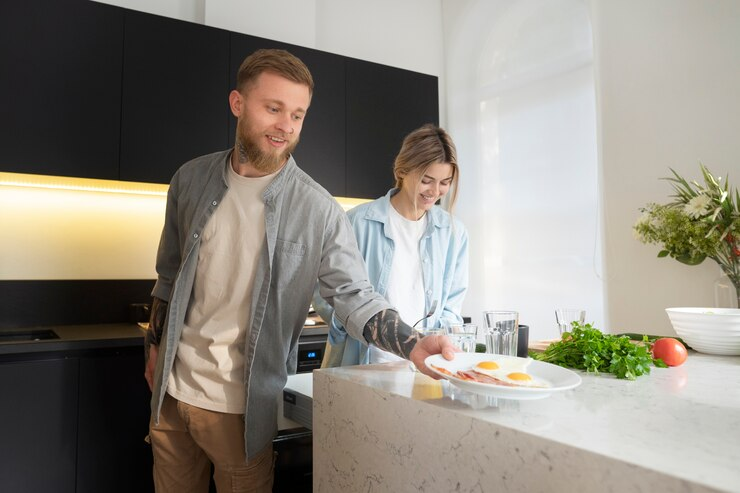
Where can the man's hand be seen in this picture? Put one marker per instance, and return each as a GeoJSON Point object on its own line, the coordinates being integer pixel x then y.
{"type": "Point", "coordinates": [150, 363]}
{"type": "Point", "coordinates": [153, 337]}
{"type": "Point", "coordinates": [428, 346]}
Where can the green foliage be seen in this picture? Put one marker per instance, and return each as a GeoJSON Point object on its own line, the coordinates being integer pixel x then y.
{"type": "Point", "coordinates": [587, 348]}
{"type": "Point", "coordinates": [702, 222]}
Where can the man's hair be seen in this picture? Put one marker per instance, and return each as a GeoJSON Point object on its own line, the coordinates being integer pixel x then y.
{"type": "Point", "coordinates": [423, 147]}
{"type": "Point", "coordinates": [279, 62]}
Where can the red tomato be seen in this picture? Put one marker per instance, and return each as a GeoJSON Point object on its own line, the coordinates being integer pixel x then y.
{"type": "Point", "coordinates": [671, 351]}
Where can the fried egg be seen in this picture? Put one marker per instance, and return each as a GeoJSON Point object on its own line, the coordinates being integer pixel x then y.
{"type": "Point", "coordinates": [510, 370]}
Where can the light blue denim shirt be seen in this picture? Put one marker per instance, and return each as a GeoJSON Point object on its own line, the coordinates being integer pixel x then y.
{"type": "Point", "coordinates": [307, 237]}
{"type": "Point", "coordinates": [444, 257]}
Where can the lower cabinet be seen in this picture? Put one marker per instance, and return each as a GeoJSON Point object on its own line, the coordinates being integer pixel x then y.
{"type": "Point", "coordinates": [74, 422]}
{"type": "Point", "coordinates": [112, 422]}
{"type": "Point", "coordinates": [38, 425]}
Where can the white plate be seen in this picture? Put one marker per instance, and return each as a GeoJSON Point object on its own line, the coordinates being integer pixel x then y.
{"type": "Point", "coordinates": [559, 378]}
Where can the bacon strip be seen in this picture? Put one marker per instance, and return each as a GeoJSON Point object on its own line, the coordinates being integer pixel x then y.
{"type": "Point", "coordinates": [481, 378]}
{"type": "Point", "coordinates": [474, 376]}
{"type": "Point", "coordinates": [443, 370]}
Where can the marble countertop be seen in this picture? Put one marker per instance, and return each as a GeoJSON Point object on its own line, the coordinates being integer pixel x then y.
{"type": "Point", "coordinates": [681, 423]}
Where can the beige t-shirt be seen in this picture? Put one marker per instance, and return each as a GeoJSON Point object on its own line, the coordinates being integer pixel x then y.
{"type": "Point", "coordinates": [209, 368]}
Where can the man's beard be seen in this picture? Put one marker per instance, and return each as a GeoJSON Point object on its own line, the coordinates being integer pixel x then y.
{"type": "Point", "coordinates": [249, 150]}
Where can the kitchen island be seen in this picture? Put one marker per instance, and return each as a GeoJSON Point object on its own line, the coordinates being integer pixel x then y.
{"type": "Point", "coordinates": [386, 428]}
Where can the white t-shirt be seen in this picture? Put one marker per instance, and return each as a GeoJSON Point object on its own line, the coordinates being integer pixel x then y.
{"type": "Point", "coordinates": [405, 282]}
{"type": "Point", "coordinates": [209, 368]}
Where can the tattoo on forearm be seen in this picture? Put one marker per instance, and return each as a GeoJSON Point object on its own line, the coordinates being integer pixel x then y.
{"type": "Point", "coordinates": [387, 331]}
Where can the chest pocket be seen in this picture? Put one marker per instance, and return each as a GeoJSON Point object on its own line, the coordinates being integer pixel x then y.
{"type": "Point", "coordinates": [288, 263]}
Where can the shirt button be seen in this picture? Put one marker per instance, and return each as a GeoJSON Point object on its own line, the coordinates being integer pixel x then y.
{"type": "Point", "coordinates": [214, 202]}
{"type": "Point", "coordinates": [195, 235]}
{"type": "Point", "coordinates": [429, 292]}
{"type": "Point", "coordinates": [426, 260]}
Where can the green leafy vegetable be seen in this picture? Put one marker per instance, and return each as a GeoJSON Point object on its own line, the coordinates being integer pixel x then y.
{"type": "Point", "coordinates": [587, 348]}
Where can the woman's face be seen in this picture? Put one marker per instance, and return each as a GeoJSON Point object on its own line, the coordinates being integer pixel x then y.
{"type": "Point", "coordinates": [423, 188]}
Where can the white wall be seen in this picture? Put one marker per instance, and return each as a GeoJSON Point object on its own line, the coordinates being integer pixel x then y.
{"type": "Point", "coordinates": [668, 73]}
{"type": "Point", "coordinates": [185, 10]}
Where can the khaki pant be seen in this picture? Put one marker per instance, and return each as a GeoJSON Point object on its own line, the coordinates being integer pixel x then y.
{"type": "Point", "coordinates": [189, 439]}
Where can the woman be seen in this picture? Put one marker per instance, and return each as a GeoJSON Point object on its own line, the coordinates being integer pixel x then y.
{"type": "Point", "coordinates": [416, 252]}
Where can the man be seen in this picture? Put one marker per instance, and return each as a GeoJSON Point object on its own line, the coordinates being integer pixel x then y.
{"type": "Point", "coordinates": [246, 235]}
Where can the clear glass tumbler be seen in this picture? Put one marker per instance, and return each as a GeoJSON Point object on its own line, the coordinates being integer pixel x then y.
{"type": "Point", "coordinates": [502, 329]}
{"type": "Point", "coordinates": [463, 336]}
{"type": "Point", "coordinates": [566, 316]}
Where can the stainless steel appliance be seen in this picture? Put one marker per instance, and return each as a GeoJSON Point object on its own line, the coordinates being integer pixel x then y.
{"type": "Point", "coordinates": [311, 345]}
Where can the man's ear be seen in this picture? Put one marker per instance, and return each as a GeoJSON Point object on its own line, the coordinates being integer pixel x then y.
{"type": "Point", "coordinates": [236, 102]}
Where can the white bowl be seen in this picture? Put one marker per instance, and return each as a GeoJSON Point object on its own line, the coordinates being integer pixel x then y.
{"type": "Point", "coordinates": [709, 349]}
{"type": "Point", "coordinates": [708, 330]}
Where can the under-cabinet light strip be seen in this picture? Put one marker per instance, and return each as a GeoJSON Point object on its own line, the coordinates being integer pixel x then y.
{"type": "Point", "coordinates": [23, 180]}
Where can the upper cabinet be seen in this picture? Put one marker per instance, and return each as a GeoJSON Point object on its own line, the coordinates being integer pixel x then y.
{"type": "Point", "coordinates": [93, 90]}
{"type": "Point", "coordinates": [174, 104]}
{"type": "Point", "coordinates": [60, 87]}
{"type": "Point", "coordinates": [384, 104]}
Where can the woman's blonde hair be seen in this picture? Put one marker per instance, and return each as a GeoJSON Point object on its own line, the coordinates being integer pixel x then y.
{"type": "Point", "coordinates": [423, 147]}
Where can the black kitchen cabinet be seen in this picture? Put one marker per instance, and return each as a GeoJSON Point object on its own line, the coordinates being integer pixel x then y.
{"type": "Point", "coordinates": [75, 421]}
{"type": "Point", "coordinates": [60, 88]}
{"type": "Point", "coordinates": [38, 425]}
{"type": "Point", "coordinates": [113, 420]}
{"type": "Point", "coordinates": [321, 151]}
{"type": "Point", "coordinates": [175, 95]}
{"type": "Point", "coordinates": [384, 104]}
{"type": "Point", "coordinates": [97, 91]}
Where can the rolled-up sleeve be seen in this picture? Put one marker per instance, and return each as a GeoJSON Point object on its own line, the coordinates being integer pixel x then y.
{"type": "Point", "coordinates": [343, 281]}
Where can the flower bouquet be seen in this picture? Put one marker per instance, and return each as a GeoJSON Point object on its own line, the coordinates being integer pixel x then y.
{"type": "Point", "coordinates": [702, 222]}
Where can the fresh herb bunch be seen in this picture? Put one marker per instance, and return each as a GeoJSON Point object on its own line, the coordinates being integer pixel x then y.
{"type": "Point", "coordinates": [587, 348]}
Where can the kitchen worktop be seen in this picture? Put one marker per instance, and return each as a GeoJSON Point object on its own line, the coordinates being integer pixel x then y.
{"type": "Point", "coordinates": [386, 428]}
{"type": "Point", "coordinates": [76, 337]}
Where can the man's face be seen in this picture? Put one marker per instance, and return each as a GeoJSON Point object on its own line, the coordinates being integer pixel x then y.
{"type": "Point", "coordinates": [270, 116]}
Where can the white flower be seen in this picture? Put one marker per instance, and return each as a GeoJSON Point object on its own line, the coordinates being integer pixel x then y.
{"type": "Point", "coordinates": [697, 207]}
{"type": "Point", "coordinates": [644, 218]}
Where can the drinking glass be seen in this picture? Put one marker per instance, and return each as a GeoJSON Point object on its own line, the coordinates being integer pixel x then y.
{"type": "Point", "coordinates": [431, 331]}
{"type": "Point", "coordinates": [566, 316]}
{"type": "Point", "coordinates": [463, 336]}
{"type": "Point", "coordinates": [502, 328]}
